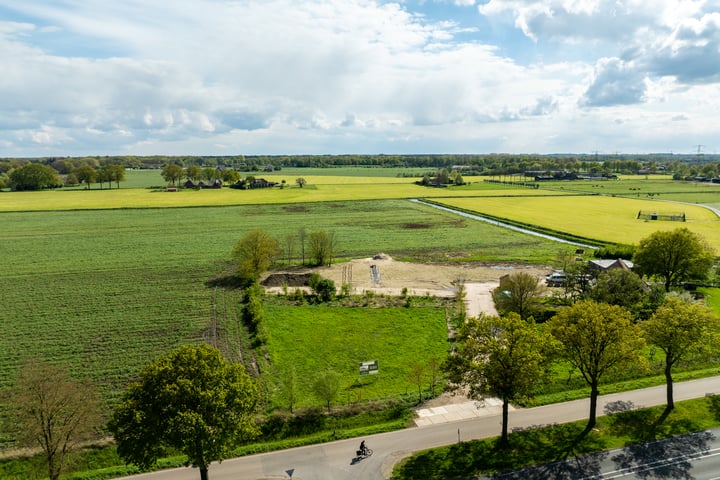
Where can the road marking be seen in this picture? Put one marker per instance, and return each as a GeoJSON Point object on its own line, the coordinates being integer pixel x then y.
{"type": "Point", "coordinates": [623, 472]}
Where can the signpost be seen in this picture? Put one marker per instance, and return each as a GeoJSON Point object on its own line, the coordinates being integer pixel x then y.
{"type": "Point", "coordinates": [369, 367]}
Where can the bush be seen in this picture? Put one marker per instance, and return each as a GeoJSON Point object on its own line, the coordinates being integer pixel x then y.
{"type": "Point", "coordinates": [325, 290]}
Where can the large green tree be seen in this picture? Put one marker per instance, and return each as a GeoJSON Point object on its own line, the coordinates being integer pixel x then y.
{"type": "Point", "coordinates": [597, 339]}
{"type": "Point", "coordinates": [255, 252]}
{"type": "Point", "coordinates": [193, 173]}
{"type": "Point", "coordinates": [172, 173]}
{"type": "Point", "coordinates": [674, 256]}
{"type": "Point", "coordinates": [500, 357]}
{"type": "Point", "coordinates": [679, 328]}
{"type": "Point", "coordinates": [34, 176]}
{"type": "Point", "coordinates": [520, 293]}
{"type": "Point", "coordinates": [191, 401]}
{"type": "Point", "coordinates": [53, 412]}
{"type": "Point", "coordinates": [322, 247]}
{"type": "Point", "coordinates": [86, 174]}
{"type": "Point", "coordinates": [114, 173]}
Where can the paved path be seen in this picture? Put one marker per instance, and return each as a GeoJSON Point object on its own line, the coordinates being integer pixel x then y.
{"type": "Point", "coordinates": [478, 299]}
{"type": "Point", "coordinates": [335, 460]}
{"type": "Point", "coordinates": [458, 411]}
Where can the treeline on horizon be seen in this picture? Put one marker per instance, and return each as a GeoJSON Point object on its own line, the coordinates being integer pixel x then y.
{"type": "Point", "coordinates": [483, 164]}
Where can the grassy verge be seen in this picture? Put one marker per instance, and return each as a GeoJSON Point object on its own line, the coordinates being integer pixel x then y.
{"type": "Point", "coordinates": [624, 386]}
{"type": "Point", "coordinates": [559, 442]}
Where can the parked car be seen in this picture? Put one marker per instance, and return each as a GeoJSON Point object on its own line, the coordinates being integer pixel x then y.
{"type": "Point", "coordinates": [556, 279]}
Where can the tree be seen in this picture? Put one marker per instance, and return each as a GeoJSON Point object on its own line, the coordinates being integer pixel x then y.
{"type": "Point", "coordinates": [114, 173]}
{"type": "Point", "coordinates": [53, 412]}
{"type": "Point", "coordinates": [172, 173]}
{"type": "Point", "coordinates": [230, 176]}
{"type": "Point", "coordinates": [301, 182]}
{"type": "Point", "coordinates": [499, 357]}
{"type": "Point", "coordinates": [255, 252]}
{"type": "Point", "coordinates": [191, 401]}
{"type": "Point", "coordinates": [71, 179]}
{"type": "Point", "coordinates": [674, 256]}
{"type": "Point", "coordinates": [34, 176]}
{"type": "Point", "coordinates": [289, 241]}
{"type": "Point", "coordinates": [518, 292]}
{"type": "Point", "coordinates": [415, 375]}
{"type": "Point", "coordinates": [86, 174]}
{"type": "Point", "coordinates": [210, 173]}
{"type": "Point", "coordinates": [302, 236]}
{"type": "Point", "coordinates": [326, 387]}
{"type": "Point", "coordinates": [433, 365]}
{"type": "Point", "coordinates": [322, 246]}
{"type": "Point", "coordinates": [102, 177]}
{"type": "Point", "coordinates": [290, 387]}
{"type": "Point", "coordinates": [193, 173]}
{"type": "Point", "coordinates": [597, 338]}
{"type": "Point", "coordinates": [626, 289]}
{"type": "Point", "coordinates": [679, 328]}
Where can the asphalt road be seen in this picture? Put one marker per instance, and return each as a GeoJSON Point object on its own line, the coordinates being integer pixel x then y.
{"type": "Point", "coordinates": [694, 456]}
{"type": "Point", "coordinates": [336, 460]}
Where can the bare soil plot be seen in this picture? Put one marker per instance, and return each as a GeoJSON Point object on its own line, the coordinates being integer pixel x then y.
{"type": "Point", "coordinates": [434, 279]}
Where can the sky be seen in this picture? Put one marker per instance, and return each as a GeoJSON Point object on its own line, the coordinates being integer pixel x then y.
{"type": "Point", "coordinates": [266, 77]}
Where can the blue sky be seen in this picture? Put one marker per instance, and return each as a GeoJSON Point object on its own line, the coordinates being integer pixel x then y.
{"type": "Point", "coordinates": [216, 77]}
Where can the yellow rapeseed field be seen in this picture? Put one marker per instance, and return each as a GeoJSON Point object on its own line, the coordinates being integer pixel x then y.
{"type": "Point", "coordinates": [611, 219]}
{"type": "Point", "coordinates": [318, 189]}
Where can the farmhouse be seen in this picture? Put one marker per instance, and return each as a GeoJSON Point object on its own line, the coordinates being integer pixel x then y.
{"type": "Point", "coordinates": [596, 267]}
{"type": "Point", "coordinates": [261, 183]}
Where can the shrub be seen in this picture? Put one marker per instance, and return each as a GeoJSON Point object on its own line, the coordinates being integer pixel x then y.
{"type": "Point", "coordinates": [325, 290]}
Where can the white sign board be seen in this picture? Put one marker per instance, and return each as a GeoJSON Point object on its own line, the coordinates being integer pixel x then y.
{"type": "Point", "coordinates": [369, 368]}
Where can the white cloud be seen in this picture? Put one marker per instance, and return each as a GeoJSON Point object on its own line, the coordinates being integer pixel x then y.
{"type": "Point", "coordinates": [615, 83]}
{"type": "Point", "coordinates": [319, 76]}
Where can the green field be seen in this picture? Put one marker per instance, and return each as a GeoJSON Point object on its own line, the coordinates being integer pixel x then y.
{"type": "Point", "coordinates": [103, 281]}
{"type": "Point", "coordinates": [607, 219]}
{"type": "Point", "coordinates": [351, 335]}
{"type": "Point", "coordinates": [659, 187]}
{"type": "Point", "coordinates": [105, 291]}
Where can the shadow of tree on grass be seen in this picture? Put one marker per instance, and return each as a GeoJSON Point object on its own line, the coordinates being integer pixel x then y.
{"type": "Point", "coordinates": [652, 450]}
{"type": "Point", "coordinates": [565, 446]}
{"type": "Point", "coordinates": [714, 401]}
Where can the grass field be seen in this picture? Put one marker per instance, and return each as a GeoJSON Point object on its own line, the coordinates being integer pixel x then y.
{"type": "Point", "coordinates": [105, 291]}
{"type": "Point", "coordinates": [659, 187]}
{"type": "Point", "coordinates": [608, 219]}
{"type": "Point", "coordinates": [351, 335]}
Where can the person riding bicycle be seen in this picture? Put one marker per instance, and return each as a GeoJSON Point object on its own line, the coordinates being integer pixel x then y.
{"type": "Point", "coordinates": [363, 448]}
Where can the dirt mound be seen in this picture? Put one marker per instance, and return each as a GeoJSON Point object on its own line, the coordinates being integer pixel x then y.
{"type": "Point", "coordinates": [382, 256]}
{"type": "Point", "coordinates": [289, 279]}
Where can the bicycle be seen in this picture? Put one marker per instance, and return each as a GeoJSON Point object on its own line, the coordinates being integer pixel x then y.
{"type": "Point", "coordinates": [364, 453]}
